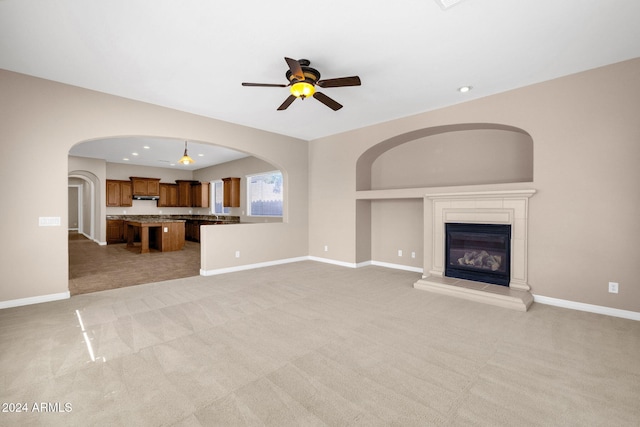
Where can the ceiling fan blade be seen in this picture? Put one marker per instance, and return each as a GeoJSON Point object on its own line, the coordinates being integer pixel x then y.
{"type": "Point", "coordinates": [335, 106]}
{"type": "Point", "coordinates": [287, 102]}
{"type": "Point", "coordinates": [340, 82]}
{"type": "Point", "coordinates": [296, 69]}
{"type": "Point", "coordinates": [264, 84]}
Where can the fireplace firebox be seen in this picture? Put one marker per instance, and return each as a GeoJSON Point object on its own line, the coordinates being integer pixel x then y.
{"type": "Point", "coordinates": [478, 252]}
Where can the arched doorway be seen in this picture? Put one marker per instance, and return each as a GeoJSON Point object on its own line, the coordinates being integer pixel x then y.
{"type": "Point", "coordinates": [85, 205]}
{"type": "Point", "coordinates": [158, 266]}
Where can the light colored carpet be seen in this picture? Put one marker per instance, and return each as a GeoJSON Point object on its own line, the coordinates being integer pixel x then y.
{"type": "Point", "coordinates": [313, 344]}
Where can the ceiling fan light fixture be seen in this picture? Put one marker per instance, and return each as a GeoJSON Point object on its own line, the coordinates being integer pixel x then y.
{"type": "Point", "coordinates": [186, 160]}
{"type": "Point", "coordinates": [302, 89]}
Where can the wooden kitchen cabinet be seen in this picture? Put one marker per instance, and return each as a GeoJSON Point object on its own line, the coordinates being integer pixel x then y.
{"type": "Point", "coordinates": [192, 229]}
{"type": "Point", "coordinates": [119, 193]}
{"type": "Point", "coordinates": [168, 195]}
{"type": "Point", "coordinates": [185, 193]}
{"type": "Point", "coordinates": [115, 231]}
{"type": "Point", "coordinates": [200, 195]}
{"type": "Point", "coordinates": [164, 236]}
{"type": "Point", "coordinates": [231, 192]}
{"type": "Point", "coordinates": [145, 186]}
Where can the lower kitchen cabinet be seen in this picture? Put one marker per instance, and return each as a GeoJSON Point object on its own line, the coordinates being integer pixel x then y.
{"type": "Point", "coordinates": [115, 231]}
{"type": "Point", "coordinates": [192, 229]}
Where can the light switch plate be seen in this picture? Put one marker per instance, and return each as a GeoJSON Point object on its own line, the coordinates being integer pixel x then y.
{"type": "Point", "coordinates": [49, 221]}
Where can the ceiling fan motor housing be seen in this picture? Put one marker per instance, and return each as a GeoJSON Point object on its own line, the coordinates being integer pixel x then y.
{"type": "Point", "coordinates": [311, 75]}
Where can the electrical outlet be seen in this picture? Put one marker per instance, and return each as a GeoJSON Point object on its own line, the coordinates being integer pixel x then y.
{"type": "Point", "coordinates": [326, 248]}
{"type": "Point", "coordinates": [613, 287]}
{"type": "Point", "coordinates": [237, 254]}
{"type": "Point", "coordinates": [413, 254]}
{"type": "Point", "coordinates": [399, 252]}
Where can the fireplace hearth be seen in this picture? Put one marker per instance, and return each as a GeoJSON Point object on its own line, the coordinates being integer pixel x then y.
{"type": "Point", "coordinates": [478, 252]}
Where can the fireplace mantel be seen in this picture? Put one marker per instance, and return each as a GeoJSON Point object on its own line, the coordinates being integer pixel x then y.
{"type": "Point", "coordinates": [482, 207]}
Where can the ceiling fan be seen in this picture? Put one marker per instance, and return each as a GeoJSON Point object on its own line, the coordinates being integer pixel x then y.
{"type": "Point", "coordinates": [303, 81]}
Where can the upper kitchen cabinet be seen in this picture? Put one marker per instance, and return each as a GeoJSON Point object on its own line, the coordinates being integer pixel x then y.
{"type": "Point", "coordinates": [184, 192]}
{"type": "Point", "coordinates": [193, 194]}
{"type": "Point", "coordinates": [145, 186]}
{"type": "Point", "coordinates": [168, 195]}
{"type": "Point", "coordinates": [231, 192]}
{"type": "Point", "coordinates": [119, 193]}
{"type": "Point", "coordinates": [200, 195]}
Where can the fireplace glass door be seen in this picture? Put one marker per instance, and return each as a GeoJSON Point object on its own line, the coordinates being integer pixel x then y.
{"type": "Point", "coordinates": [478, 252]}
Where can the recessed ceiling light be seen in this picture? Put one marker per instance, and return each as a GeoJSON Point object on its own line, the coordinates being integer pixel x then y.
{"type": "Point", "coordinates": [134, 154]}
{"type": "Point", "coordinates": [146, 147]}
{"type": "Point", "coordinates": [200, 155]}
{"type": "Point", "coordinates": [465, 89]}
{"type": "Point", "coordinates": [126, 159]}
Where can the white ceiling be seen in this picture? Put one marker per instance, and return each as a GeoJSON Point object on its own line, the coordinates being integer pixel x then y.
{"type": "Point", "coordinates": [411, 55]}
{"type": "Point", "coordinates": [155, 152]}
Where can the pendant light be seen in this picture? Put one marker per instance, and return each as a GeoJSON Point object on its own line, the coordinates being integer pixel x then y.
{"type": "Point", "coordinates": [186, 160]}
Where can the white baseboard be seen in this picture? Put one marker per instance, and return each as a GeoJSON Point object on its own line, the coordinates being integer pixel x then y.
{"type": "Point", "coordinates": [309, 258]}
{"type": "Point", "coordinates": [333, 261]}
{"type": "Point", "coordinates": [398, 266]}
{"type": "Point", "coordinates": [251, 266]}
{"type": "Point", "coordinates": [34, 300]}
{"type": "Point", "coordinates": [599, 309]}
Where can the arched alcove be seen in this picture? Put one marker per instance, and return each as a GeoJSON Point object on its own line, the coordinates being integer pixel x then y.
{"type": "Point", "coordinates": [461, 154]}
{"type": "Point", "coordinates": [442, 156]}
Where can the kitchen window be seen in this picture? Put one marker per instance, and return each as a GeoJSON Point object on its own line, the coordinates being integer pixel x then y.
{"type": "Point", "coordinates": [218, 197]}
{"type": "Point", "coordinates": [264, 193]}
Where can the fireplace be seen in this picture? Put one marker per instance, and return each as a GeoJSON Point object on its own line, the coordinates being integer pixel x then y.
{"type": "Point", "coordinates": [478, 252]}
{"type": "Point", "coordinates": [494, 209]}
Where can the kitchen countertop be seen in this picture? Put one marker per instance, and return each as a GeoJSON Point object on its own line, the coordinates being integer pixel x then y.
{"type": "Point", "coordinates": [155, 220]}
{"type": "Point", "coordinates": [220, 219]}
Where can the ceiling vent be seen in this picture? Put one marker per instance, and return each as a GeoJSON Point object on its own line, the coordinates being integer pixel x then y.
{"type": "Point", "coordinates": [446, 4]}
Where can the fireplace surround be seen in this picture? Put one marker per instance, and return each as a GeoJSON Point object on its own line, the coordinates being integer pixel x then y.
{"type": "Point", "coordinates": [503, 207]}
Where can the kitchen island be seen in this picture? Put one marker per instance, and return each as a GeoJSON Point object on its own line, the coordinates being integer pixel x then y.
{"type": "Point", "coordinates": [162, 235]}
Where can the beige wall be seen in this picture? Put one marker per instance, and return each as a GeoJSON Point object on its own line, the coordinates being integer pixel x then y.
{"type": "Point", "coordinates": [222, 243]}
{"type": "Point", "coordinates": [397, 225]}
{"type": "Point", "coordinates": [584, 217]}
{"type": "Point", "coordinates": [43, 120]}
{"type": "Point", "coordinates": [482, 156]}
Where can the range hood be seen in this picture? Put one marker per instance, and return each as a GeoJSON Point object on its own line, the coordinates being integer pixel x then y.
{"type": "Point", "coordinates": [146, 197]}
